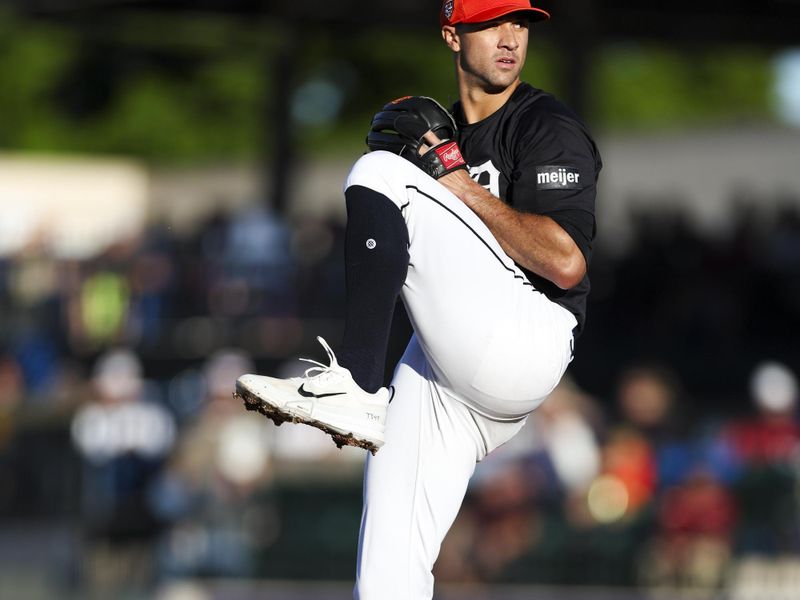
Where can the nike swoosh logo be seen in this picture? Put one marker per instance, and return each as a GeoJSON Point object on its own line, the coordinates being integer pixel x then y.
{"type": "Point", "coordinates": [306, 394]}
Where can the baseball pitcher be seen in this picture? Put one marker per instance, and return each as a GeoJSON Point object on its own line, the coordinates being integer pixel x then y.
{"type": "Point", "coordinates": [481, 220]}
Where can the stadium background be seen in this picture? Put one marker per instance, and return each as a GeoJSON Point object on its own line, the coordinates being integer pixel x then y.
{"type": "Point", "coordinates": [170, 180]}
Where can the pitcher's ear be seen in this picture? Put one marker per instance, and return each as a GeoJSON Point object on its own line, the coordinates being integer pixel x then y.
{"type": "Point", "coordinates": [451, 37]}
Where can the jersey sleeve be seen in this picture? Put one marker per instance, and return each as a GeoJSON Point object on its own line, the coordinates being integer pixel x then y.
{"type": "Point", "coordinates": [556, 175]}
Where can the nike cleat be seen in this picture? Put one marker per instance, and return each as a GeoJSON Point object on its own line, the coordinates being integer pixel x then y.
{"type": "Point", "coordinates": [325, 397]}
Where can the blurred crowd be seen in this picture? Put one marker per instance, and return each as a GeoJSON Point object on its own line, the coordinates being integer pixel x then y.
{"type": "Point", "coordinates": [118, 430]}
{"type": "Point", "coordinates": [638, 494]}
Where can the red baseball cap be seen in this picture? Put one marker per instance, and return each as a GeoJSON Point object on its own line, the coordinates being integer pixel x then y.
{"type": "Point", "coordinates": [478, 11]}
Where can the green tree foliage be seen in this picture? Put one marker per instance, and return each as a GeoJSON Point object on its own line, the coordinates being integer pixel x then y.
{"type": "Point", "coordinates": [207, 108]}
{"type": "Point", "coordinates": [647, 87]}
{"type": "Point", "coordinates": [200, 89]}
{"type": "Point", "coordinates": [31, 59]}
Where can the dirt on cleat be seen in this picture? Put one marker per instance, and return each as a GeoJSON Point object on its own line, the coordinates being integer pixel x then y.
{"type": "Point", "coordinates": [265, 409]}
{"type": "Point", "coordinates": [276, 416]}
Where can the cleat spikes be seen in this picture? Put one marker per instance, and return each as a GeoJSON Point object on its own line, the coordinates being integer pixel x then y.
{"type": "Point", "coordinates": [276, 416]}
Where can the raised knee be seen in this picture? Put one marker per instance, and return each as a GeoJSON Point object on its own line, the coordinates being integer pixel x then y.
{"type": "Point", "coordinates": [374, 168]}
{"type": "Point", "coordinates": [379, 158]}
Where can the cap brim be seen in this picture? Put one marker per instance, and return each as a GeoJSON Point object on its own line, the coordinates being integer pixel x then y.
{"type": "Point", "coordinates": [534, 14]}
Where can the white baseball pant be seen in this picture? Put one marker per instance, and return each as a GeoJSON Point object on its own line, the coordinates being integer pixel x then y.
{"type": "Point", "coordinates": [487, 350]}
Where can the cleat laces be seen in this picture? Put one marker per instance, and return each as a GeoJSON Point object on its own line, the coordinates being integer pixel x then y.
{"type": "Point", "coordinates": [321, 372]}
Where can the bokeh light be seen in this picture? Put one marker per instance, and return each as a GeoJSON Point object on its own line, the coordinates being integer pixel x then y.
{"type": "Point", "coordinates": [608, 499]}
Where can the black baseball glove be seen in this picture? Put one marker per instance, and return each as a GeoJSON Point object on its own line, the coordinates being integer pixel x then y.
{"type": "Point", "coordinates": [400, 126]}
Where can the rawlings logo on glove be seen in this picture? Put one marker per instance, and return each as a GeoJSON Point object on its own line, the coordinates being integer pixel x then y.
{"type": "Point", "coordinates": [450, 155]}
{"type": "Point", "coordinates": [401, 125]}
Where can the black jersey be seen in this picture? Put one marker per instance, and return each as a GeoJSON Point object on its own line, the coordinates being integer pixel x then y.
{"type": "Point", "coordinates": [537, 155]}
